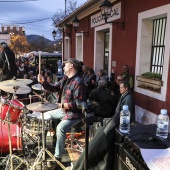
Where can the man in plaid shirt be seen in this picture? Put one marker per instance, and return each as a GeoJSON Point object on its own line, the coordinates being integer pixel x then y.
{"type": "Point", "coordinates": [71, 93]}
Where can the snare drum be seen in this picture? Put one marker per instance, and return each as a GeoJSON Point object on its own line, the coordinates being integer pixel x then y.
{"type": "Point", "coordinates": [14, 110]}
{"type": "Point", "coordinates": [33, 123]}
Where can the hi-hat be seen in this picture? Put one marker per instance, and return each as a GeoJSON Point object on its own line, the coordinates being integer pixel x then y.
{"type": "Point", "coordinates": [41, 107]}
{"type": "Point", "coordinates": [17, 82]}
{"type": "Point", "coordinates": [37, 87]}
{"type": "Point", "coordinates": [15, 89]}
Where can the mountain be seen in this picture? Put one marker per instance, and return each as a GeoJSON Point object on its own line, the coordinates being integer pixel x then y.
{"type": "Point", "coordinates": [31, 38]}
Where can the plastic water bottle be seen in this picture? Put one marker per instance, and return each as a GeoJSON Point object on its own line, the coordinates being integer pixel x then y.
{"type": "Point", "coordinates": [162, 124]}
{"type": "Point", "coordinates": [124, 126]}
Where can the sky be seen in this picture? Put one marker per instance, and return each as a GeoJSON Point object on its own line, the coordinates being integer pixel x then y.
{"type": "Point", "coordinates": [18, 13]}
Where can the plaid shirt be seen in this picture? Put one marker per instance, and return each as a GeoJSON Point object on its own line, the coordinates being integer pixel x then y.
{"type": "Point", "coordinates": [72, 91]}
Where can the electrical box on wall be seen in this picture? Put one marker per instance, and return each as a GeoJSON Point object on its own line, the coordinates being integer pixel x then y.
{"type": "Point", "coordinates": [113, 63]}
{"type": "Point", "coordinates": [113, 66]}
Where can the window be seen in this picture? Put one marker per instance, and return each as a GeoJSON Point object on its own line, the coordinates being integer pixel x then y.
{"type": "Point", "coordinates": [79, 46]}
{"type": "Point", "coordinates": [158, 45]}
{"type": "Point", "coordinates": [153, 44]}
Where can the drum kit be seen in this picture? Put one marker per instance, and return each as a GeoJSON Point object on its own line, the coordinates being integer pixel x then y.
{"type": "Point", "coordinates": [14, 123]}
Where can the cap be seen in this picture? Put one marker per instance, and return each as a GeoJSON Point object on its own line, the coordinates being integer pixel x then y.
{"type": "Point", "coordinates": [73, 61]}
{"type": "Point", "coordinates": [163, 111]}
{"type": "Point", "coordinates": [125, 107]}
{"type": "Point", "coordinates": [3, 44]}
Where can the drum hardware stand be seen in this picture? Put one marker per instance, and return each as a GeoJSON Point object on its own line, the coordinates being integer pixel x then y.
{"type": "Point", "coordinates": [26, 151]}
{"type": "Point", "coordinates": [41, 154]}
{"type": "Point", "coordinates": [11, 156]}
{"type": "Point", "coordinates": [37, 95]}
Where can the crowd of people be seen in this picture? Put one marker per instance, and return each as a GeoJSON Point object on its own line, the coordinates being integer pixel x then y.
{"type": "Point", "coordinates": [79, 89]}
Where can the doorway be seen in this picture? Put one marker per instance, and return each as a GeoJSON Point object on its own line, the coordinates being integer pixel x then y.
{"type": "Point", "coordinates": [103, 48]}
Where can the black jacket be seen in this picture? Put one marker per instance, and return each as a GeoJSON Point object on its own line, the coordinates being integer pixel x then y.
{"type": "Point", "coordinates": [126, 99]}
{"type": "Point", "coordinates": [100, 150]}
{"type": "Point", "coordinates": [9, 68]}
{"type": "Point", "coordinates": [106, 102]}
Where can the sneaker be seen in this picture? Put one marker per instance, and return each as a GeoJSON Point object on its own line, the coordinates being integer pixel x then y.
{"type": "Point", "coordinates": [52, 161]}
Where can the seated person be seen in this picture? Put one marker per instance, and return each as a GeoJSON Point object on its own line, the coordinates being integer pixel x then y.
{"type": "Point", "coordinates": [101, 74]}
{"type": "Point", "coordinates": [71, 96]}
{"type": "Point", "coordinates": [103, 102]}
{"type": "Point", "coordinates": [100, 148]}
{"type": "Point", "coordinates": [127, 76]}
{"type": "Point", "coordinates": [115, 87]}
{"type": "Point", "coordinates": [90, 81]}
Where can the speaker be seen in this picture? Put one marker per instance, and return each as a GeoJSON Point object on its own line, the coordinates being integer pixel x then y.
{"type": "Point", "coordinates": [127, 154]}
{"type": "Point", "coordinates": [128, 160]}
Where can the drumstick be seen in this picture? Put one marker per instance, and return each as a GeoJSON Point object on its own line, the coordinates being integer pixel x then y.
{"type": "Point", "coordinates": [40, 96]}
{"type": "Point", "coordinates": [28, 98]}
{"type": "Point", "coordinates": [39, 62]}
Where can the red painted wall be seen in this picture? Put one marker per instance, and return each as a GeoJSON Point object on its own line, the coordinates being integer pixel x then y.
{"type": "Point", "coordinates": [124, 47]}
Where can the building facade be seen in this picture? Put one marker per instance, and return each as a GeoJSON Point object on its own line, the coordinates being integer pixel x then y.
{"type": "Point", "coordinates": [136, 34]}
{"type": "Point", "coordinates": [11, 29]}
{"type": "Point", "coordinates": [6, 31]}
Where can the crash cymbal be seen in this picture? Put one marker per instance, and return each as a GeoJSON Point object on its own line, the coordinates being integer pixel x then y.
{"type": "Point", "coordinates": [15, 89]}
{"type": "Point", "coordinates": [17, 82]}
{"type": "Point", "coordinates": [41, 107]}
{"type": "Point", "coordinates": [37, 87]}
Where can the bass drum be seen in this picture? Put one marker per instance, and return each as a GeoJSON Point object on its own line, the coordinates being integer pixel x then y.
{"type": "Point", "coordinates": [16, 137]}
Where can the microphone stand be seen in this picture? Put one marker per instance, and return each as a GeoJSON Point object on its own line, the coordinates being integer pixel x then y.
{"type": "Point", "coordinates": [86, 142]}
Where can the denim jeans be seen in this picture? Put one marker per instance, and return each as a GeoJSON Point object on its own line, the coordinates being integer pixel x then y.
{"type": "Point", "coordinates": [61, 130]}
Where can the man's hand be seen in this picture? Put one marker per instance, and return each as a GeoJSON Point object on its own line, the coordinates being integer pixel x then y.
{"type": "Point", "coordinates": [59, 105]}
{"type": "Point", "coordinates": [41, 78]}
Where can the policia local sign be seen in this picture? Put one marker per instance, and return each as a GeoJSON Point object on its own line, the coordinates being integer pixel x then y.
{"type": "Point", "coordinates": [115, 14]}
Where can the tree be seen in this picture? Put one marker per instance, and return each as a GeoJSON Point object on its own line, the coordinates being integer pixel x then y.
{"type": "Point", "coordinates": [19, 44]}
{"type": "Point", "coordinates": [71, 5]}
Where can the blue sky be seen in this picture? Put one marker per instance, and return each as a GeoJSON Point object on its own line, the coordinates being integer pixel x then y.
{"type": "Point", "coordinates": [21, 12]}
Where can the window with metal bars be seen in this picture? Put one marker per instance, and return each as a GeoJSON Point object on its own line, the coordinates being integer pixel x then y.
{"type": "Point", "coordinates": [158, 45]}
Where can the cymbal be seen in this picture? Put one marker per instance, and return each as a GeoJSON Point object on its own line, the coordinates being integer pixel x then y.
{"type": "Point", "coordinates": [41, 107]}
{"type": "Point", "coordinates": [37, 87]}
{"type": "Point", "coordinates": [19, 89]}
{"type": "Point", "coordinates": [17, 82]}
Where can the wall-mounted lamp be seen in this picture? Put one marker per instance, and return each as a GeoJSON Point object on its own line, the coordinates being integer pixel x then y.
{"type": "Point", "coordinates": [54, 33]}
{"type": "Point", "coordinates": [106, 9]}
{"type": "Point", "coordinates": [76, 24]}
